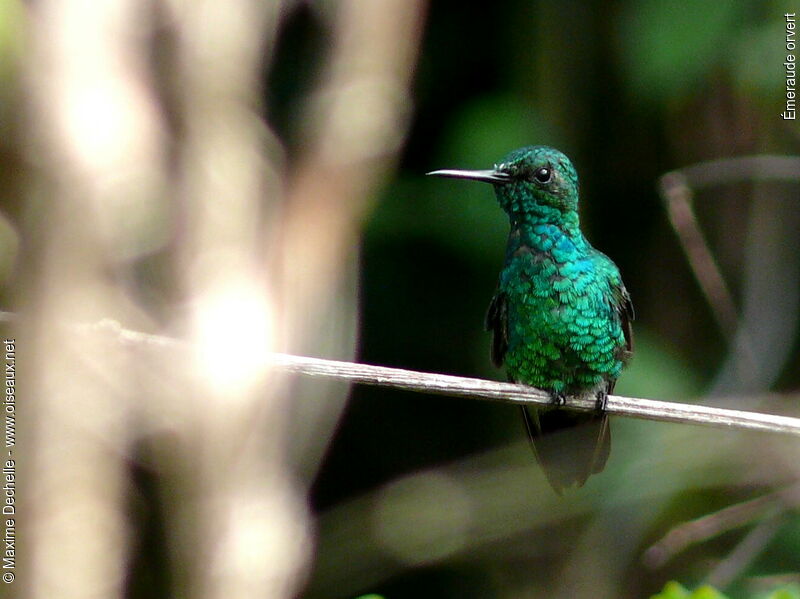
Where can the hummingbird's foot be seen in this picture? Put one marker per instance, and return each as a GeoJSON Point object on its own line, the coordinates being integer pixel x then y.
{"type": "Point", "coordinates": [558, 399]}
{"type": "Point", "coordinates": [601, 399]}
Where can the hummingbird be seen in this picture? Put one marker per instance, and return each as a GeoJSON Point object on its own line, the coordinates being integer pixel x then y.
{"type": "Point", "coordinates": [560, 317]}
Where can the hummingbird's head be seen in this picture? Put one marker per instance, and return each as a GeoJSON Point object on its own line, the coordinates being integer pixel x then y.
{"type": "Point", "coordinates": [534, 180]}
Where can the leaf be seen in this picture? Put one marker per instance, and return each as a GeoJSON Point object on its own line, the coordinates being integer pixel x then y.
{"type": "Point", "coordinates": [788, 592]}
{"type": "Point", "coordinates": [706, 592]}
{"type": "Point", "coordinates": [674, 590]}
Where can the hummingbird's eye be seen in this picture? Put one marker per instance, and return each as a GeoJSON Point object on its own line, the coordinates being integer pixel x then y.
{"type": "Point", "coordinates": [543, 174]}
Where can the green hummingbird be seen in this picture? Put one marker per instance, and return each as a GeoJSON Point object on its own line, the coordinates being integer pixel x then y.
{"type": "Point", "coordinates": [561, 316]}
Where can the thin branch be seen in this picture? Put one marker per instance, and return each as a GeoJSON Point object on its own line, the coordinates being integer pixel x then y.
{"type": "Point", "coordinates": [712, 525]}
{"type": "Point", "coordinates": [744, 168]}
{"type": "Point", "coordinates": [745, 552]}
{"type": "Point", "coordinates": [677, 190]}
{"type": "Point", "coordinates": [646, 409]}
{"type": "Point", "coordinates": [442, 384]}
{"type": "Point", "coordinates": [679, 199]}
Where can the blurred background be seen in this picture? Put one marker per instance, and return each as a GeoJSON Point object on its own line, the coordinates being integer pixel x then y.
{"type": "Point", "coordinates": [291, 147]}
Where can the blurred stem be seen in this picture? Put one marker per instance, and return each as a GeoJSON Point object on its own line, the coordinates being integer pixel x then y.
{"type": "Point", "coordinates": [745, 552]}
{"type": "Point", "coordinates": [678, 195]}
{"type": "Point", "coordinates": [356, 121]}
{"type": "Point", "coordinates": [712, 525]}
{"type": "Point", "coordinates": [770, 293]}
{"type": "Point", "coordinates": [353, 127]}
{"type": "Point", "coordinates": [239, 489]}
{"type": "Point", "coordinates": [93, 138]}
{"type": "Point", "coordinates": [677, 190]}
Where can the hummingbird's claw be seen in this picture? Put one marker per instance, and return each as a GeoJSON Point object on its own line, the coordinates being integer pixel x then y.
{"type": "Point", "coordinates": [602, 400]}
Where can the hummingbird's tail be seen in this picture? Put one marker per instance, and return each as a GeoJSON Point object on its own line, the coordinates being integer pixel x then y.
{"type": "Point", "coordinates": [569, 446]}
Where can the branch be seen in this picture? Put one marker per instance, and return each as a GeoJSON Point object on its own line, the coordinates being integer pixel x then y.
{"type": "Point", "coordinates": [677, 190]}
{"type": "Point", "coordinates": [679, 199]}
{"type": "Point", "coordinates": [711, 525]}
{"type": "Point", "coordinates": [745, 552]}
{"type": "Point", "coordinates": [443, 384]}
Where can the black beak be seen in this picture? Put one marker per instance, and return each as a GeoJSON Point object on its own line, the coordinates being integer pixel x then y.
{"type": "Point", "coordinates": [490, 176]}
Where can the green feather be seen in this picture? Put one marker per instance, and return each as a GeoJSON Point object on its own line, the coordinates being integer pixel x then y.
{"type": "Point", "coordinates": [561, 314]}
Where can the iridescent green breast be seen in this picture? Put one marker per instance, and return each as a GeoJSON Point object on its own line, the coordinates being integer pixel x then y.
{"type": "Point", "coordinates": [564, 330]}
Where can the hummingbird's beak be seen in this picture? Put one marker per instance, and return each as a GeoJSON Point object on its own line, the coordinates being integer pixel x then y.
{"type": "Point", "coordinates": [490, 176]}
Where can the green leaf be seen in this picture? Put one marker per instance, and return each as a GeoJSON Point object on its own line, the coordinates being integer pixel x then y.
{"type": "Point", "coordinates": [706, 592]}
{"type": "Point", "coordinates": [674, 590]}
{"type": "Point", "coordinates": [787, 592]}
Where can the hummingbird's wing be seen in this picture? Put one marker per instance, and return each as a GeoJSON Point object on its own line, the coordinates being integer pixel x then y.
{"type": "Point", "coordinates": [497, 323]}
{"type": "Point", "coordinates": [624, 309]}
{"type": "Point", "coordinates": [619, 301]}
